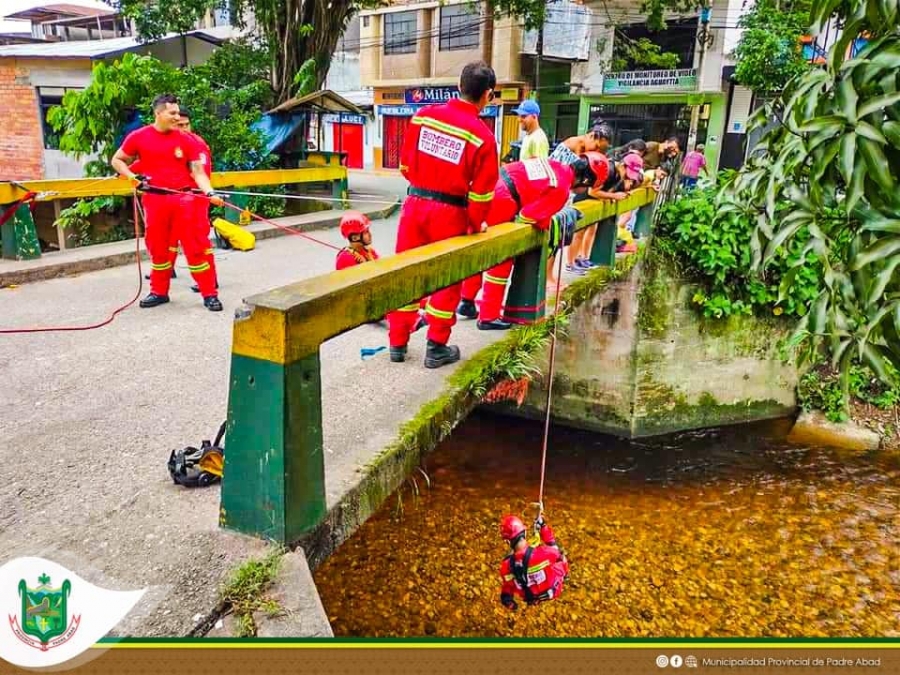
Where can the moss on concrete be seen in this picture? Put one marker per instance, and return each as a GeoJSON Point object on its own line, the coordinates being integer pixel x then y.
{"type": "Point", "coordinates": [655, 296]}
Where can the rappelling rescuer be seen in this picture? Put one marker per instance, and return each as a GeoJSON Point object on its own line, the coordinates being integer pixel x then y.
{"type": "Point", "coordinates": [533, 573]}
{"type": "Point", "coordinates": [449, 157]}
{"type": "Point", "coordinates": [171, 167]}
{"type": "Point", "coordinates": [534, 191]}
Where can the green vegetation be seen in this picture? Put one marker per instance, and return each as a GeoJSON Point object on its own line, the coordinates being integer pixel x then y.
{"type": "Point", "coordinates": [821, 389]}
{"type": "Point", "coordinates": [768, 55]}
{"type": "Point", "coordinates": [244, 593]}
{"type": "Point", "coordinates": [835, 158]}
{"type": "Point", "coordinates": [716, 252]}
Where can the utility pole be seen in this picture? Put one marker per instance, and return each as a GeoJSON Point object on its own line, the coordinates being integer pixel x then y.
{"type": "Point", "coordinates": [537, 61]}
{"type": "Point", "coordinates": [703, 37]}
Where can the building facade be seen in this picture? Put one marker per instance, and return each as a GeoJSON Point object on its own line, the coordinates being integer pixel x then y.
{"type": "Point", "coordinates": [411, 55]}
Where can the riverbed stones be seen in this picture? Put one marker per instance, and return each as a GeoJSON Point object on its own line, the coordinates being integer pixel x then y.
{"type": "Point", "coordinates": [813, 428]}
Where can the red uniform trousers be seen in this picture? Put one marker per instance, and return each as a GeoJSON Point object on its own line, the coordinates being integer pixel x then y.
{"type": "Point", "coordinates": [503, 210]}
{"type": "Point", "coordinates": [171, 218]}
{"type": "Point", "coordinates": [423, 221]}
{"type": "Point", "coordinates": [202, 221]}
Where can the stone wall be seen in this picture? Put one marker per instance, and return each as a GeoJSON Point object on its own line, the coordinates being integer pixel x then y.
{"type": "Point", "coordinates": [638, 360]}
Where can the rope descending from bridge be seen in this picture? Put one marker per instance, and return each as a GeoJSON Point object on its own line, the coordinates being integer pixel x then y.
{"type": "Point", "coordinates": [540, 502]}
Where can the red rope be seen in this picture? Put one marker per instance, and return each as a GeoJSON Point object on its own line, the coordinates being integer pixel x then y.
{"type": "Point", "coordinates": [116, 312]}
{"type": "Point", "coordinates": [550, 383]}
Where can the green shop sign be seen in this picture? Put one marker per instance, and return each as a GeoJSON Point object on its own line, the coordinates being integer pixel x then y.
{"type": "Point", "coordinates": [636, 81]}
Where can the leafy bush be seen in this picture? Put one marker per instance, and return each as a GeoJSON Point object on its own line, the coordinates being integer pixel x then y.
{"type": "Point", "coordinates": [719, 256]}
{"type": "Point", "coordinates": [821, 389]}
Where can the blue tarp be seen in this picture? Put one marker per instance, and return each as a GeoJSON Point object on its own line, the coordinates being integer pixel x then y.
{"type": "Point", "coordinates": [277, 128]}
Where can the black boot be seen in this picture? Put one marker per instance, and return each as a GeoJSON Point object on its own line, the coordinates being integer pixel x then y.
{"type": "Point", "coordinates": [152, 300]}
{"type": "Point", "coordinates": [421, 323]}
{"type": "Point", "coordinates": [212, 303]}
{"type": "Point", "coordinates": [174, 276]}
{"type": "Point", "coordinates": [467, 309]}
{"type": "Point", "coordinates": [398, 354]}
{"type": "Point", "coordinates": [196, 288]}
{"type": "Point", "coordinates": [496, 324]}
{"type": "Point", "coordinates": [437, 355]}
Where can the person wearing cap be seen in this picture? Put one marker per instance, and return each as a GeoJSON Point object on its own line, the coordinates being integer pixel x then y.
{"type": "Point", "coordinates": [532, 573]}
{"type": "Point", "coordinates": [632, 171]}
{"type": "Point", "coordinates": [535, 144]}
{"type": "Point", "coordinates": [693, 163]}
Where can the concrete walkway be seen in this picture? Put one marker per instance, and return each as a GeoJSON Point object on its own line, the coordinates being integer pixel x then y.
{"type": "Point", "coordinates": [91, 417]}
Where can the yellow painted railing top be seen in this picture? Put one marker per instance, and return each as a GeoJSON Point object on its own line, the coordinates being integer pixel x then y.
{"type": "Point", "coordinates": [113, 186]}
{"type": "Point", "coordinates": [290, 322]}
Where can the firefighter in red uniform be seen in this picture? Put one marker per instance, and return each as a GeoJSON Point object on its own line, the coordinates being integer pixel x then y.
{"type": "Point", "coordinates": [170, 162]}
{"type": "Point", "coordinates": [534, 573]}
{"type": "Point", "coordinates": [449, 156]}
{"type": "Point", "coordinates": [203, 222]}
{"type": "Point", "coordinates": [355, 229]}
{"type": "Point", "coordinates": [533, 191]}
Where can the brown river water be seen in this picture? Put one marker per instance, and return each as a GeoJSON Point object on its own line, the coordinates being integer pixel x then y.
{"type": "Point", "coordinates": [727, 532]}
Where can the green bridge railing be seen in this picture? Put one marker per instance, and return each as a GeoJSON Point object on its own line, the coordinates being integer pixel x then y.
{"type": "Point", "coordinates": [274, 483]}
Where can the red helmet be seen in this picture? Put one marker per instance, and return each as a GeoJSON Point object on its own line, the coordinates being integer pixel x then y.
{"type": "Point", "coordinates": [599, 167]}
{"type": "Point", "coordinates": [354, 222]}
{"type": "Point", "coordinates": [511, 527]}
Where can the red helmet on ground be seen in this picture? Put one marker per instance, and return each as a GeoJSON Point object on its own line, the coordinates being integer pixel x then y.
{"type": "Point", "coordinates": [599, 164]}
{"type": "Point", "coordinates": [511, 527]}
{"type": "Point", "coordinates": [354, 222]}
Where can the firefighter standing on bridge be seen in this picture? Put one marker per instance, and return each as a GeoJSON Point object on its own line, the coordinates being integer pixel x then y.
{"type": "Point", "coordinates": [449, 156]}
{"type": "Point", "coordinates": [171, 167]}
{"type": "Point", "coordinates": [534, 191]}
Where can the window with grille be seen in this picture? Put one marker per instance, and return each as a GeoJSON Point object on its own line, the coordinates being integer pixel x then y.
{"type": "Point", "coordinates": [460, 28]}
{"type": "Point", "coordinates": [400, 33]}
{"type": "Point", "coordinates": [49, 97]}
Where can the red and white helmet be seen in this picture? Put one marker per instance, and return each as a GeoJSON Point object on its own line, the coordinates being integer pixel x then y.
{"type": "Point", "coordinates": [599, 164]}
{"type": "Point", "coordinates": [354, 222]}
{"type": "Point", "coordinates": [511, 527]}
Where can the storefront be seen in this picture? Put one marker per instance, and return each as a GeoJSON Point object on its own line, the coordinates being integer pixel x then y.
{"type": "Point", "coordinates": [654, 106]}
{"type": "Point", "coordinates": [348, 133]}
{"type": "Point", "coordinates": [394, 108]}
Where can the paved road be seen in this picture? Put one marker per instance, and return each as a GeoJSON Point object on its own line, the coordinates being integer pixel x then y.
{"type": "Point", "coordinates": [89, 420]}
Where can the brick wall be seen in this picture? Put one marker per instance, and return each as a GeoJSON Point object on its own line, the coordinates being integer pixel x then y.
{"type": "Point", "coordinates": [21, 140]}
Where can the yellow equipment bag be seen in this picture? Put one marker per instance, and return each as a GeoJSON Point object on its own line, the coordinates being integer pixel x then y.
{"type": "Point", "coordinates": [237, 236]}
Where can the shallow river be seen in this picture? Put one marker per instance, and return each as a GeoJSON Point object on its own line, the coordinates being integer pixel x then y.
{"type": "Point", "coordinates": [729, 532]}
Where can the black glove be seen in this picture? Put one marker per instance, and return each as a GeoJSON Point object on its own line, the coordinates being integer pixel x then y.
{"type": "Point", "coordinates": [142, 182]}
{"type": "Point", "coordinates": [508, 602]}
{"type": "Point", "coordinates": [539, 522]}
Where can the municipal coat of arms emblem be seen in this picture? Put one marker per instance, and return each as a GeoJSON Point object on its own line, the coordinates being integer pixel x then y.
{"type": "Point", "coordinates": [44, 617]}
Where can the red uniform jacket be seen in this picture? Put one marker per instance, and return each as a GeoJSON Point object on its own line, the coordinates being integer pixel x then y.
{"type": "Point", "coordinates": [542, 567]}
{"type": "Point", "coordinates": [164, 157]}
{"type": "Point", "coordinates": [205, 154]}
{"type": "Point", "coordinates": [448, 148]}
{"type": "Point", "coordinates": [543, 189]}
{"type": "Point", "coordinates": [348, 257]}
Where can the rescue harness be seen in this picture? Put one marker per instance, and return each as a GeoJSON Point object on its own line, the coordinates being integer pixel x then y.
{"type": "Point", "coordinates": [199, 467]}
{"type": "Point", "coordinates": [359, 257]}
{"type": "Point", "coordinates": [519, 570]}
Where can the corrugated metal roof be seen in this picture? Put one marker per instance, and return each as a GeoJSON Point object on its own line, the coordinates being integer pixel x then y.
{"type": "Point", "coordinates": [91, 49]}
{"type": "Point", "coordinates": [324, 100]}
{"type": "Point", "coordinates": [60, 8]}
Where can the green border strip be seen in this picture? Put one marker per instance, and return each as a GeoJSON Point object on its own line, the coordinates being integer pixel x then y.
{"type": "Point", "coordinates": [503, 643]}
